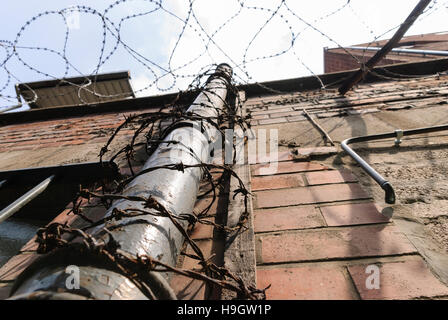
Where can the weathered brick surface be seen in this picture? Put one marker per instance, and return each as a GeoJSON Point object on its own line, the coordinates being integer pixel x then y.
{"type": "Point", "coordinates": [299, 152]}
{"type": "Point", "coordinates": [287, 218]}
{"type": "Point", "coordinates": [323, 244]}
{"type": "Point", "coordinates": [279, 156]}
{"type": "Point", "coordinates": [272, 121]}
{"type": "Point", "coordinates": [63, 132]}
{"type": "Point", "coordinates": [187, 288]}
{"type": "Point", "coordinates": [216, 207]}
{"type": "Point", "coordinates": [316, 151]}
{"type": "Point", "coordinates": [275, 110]}
{"type": "Point", "coordinates": [352, 214]}
{"type": "Point", "coordinates": [206, 248]}
{"type": "Point", "coordinates": [327, 177]}
{"type": "Point", "coordinates": [398, 280]}
{"type": "Point", "coordinates": [15, 266]}
{"type": "Point", "coordinates": [339, 61]}
{"type": "Point", "coordinates": [202, 231]}
{"type": "Point", "coordinates": [308, 195]}
{"type": "Point", "coordinates": [305, 283]}
{"type": "Point", "coordinates": [285, 167]}
{"type": "Point", "coordinates": [277, 182]}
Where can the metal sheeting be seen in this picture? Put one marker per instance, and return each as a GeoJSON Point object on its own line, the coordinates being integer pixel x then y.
{"type": "Point", "coordinates": [77, 91]}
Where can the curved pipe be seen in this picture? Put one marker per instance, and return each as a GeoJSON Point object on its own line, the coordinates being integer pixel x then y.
{"type": "Point", "coordinates": [384, 184]}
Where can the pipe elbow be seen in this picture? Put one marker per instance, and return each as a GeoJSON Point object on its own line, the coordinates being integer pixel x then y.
{"type": "Point", "coordinates": [390, 193]}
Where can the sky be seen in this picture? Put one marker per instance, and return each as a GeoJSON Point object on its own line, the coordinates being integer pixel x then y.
{"type": "Point", "coordinates": [261, 39]}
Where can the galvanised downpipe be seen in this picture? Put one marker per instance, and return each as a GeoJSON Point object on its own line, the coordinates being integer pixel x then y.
{"type": "Point", "coordinates": [385, 185]}
{"type": "Point", "coordinates": [144, 235]}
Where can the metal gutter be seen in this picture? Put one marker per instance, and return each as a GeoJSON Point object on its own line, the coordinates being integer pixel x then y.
{"type": "Point", "coordinates": [148, 235]}
{"type": "Point", "coordinates": [384, 184]}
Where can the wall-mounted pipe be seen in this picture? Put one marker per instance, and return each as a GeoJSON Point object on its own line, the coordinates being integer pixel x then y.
{"type": "Point", "coordinates": [144, 235]}
{"type": "Point", "coordinates": [385, 185]}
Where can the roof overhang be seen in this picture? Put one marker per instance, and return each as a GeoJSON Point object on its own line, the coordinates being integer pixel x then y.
{"type": "Point", "coordinates": [77, 91]}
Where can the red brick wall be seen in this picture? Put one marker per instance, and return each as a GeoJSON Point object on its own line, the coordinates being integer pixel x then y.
{"type": "Point", "coordinates": [334, 62]}
{"type": "Point", "coordinates": [62, 132]}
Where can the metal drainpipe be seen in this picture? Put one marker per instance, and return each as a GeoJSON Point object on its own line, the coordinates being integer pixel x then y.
{"type": "Point", "coordinates": [385, 185]}
{"type": "Point", "coordinates": [153, 236]}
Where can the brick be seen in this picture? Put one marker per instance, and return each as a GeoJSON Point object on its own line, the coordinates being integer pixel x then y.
{"type": "Point", "coordinates": [316, 151]}
{"type": "Point", "coordinates": [260, 116]}
{"type": "Point", "coordinates": [323, 244]}
{"type": "Point", "coordinates": [66, 216]}
{"type": "Point", "coordinates": [399, 280]}
{"type": "Point", "coordinates": [277, 182]}
{"type": "Point", "coordinates": [187, 288]}
{"type": "Point", "coordinates": [332, 176]}
{"type": "Point", "coordinates": [74, 142]}
{"type": "Point", "coordinates": [288, 218]}
{"type": "Point", "coordinates": [202, 231]}
{"type": "Point", "coordinates": [305, 283]}
{"type": "Point", "coordinates": [274, 110]}
{"type": "Point", "coordinates": [127, 171]}
{"type": "Point", "coordinates": [352, 214]}
{"type": "Point", "coordinates": [362, 111]}
{"type": "Point", "coordinates": [287, 114]}
{"type": "Point", "coordinates": [31, 245]}
{"type": "Point", "coordinates": [15, 266]}
{"type": "Point", "coordinates": [286, 167]}
{"type": "Point", "coordinates": [279, 156]}
{"type": "Point", "coordinates": [206, 248]}
{"type": "Point", "coordinates": [93, 202]}
{"type": "Point", "coordinates": [329, 114]}
{"type": "Point", "coordinates": [272, 121]}
{"type": "Point", "coordinates": [296, 118]}
{"type": "Point", "coordinates": [309, 195]}
{"type": "Point", "coordinates": [216, 208]}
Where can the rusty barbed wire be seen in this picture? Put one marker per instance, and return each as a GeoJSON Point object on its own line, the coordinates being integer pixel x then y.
{"type": "Point", "coordinates": [150, 128]}
{"type": "Point", "coordinates": [112, 40]}
{"type": "Point", "coordinates": [56, 236]}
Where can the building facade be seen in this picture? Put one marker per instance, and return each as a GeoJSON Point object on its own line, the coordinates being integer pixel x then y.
{"type": "Point", "coordinates": [422, 47]}
{"type": "Point", "coordinates": [312, 224]}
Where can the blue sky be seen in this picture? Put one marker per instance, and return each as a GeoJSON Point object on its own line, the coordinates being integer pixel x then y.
{"type": "Point", "coordinates": [152, 36]}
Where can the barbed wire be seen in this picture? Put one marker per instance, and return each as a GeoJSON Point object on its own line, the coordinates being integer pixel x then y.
{"type": "Point", "coordinates": [57, 238]}
{"type": "Point", "coordinates": [174, 73]}
{"type": "Point", "coordinates": [149, 129]}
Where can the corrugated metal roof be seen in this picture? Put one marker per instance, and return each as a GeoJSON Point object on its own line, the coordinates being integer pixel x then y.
{"type": "Point", "coordinates": [77, 90]}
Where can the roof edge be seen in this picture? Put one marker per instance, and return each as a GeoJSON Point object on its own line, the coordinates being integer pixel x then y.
{"type": "Point", "coordinates": [255, 89]}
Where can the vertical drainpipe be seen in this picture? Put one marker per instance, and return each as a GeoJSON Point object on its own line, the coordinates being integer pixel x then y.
{"type": "Point", "coordinates": [146, 235]}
